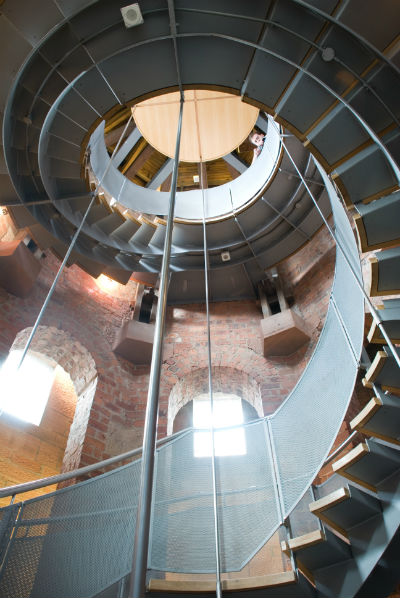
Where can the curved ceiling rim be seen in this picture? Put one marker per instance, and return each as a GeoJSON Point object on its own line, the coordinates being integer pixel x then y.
{"type": "Point", "coordinates": [301, 3]}
{"type": "Point", "coordinates": [255, 46]}
{"type": "Point", "coordinates": [277, 119]}
{"type": "Point", "coordinates": [324, 15]}
{"type": "Point", "coordinates": [327, 17]}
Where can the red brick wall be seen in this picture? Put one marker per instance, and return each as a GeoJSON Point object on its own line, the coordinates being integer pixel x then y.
{"type": "Point", "coordinates": [90, 315]}
{"type": "Point", "coordinates": [28, 452]}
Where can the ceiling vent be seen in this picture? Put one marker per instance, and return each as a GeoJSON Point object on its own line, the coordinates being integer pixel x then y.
{"type": "Point", "coordinates": [132, 15]}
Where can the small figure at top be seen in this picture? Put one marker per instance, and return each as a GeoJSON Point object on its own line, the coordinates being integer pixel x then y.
{"type": "Point", "coordinates": [257, 139]}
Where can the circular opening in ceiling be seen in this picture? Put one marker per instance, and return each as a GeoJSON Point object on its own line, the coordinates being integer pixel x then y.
{"type": "Point", "coordinates": [214, 123]}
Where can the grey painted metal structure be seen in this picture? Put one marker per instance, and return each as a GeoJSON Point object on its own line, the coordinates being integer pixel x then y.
{"type": "Point", "coordinates": [85, 51]}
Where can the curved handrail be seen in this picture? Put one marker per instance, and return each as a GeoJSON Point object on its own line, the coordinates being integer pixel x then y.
{"type": "Point", "coordinates": [189, 204]}
{"type": "Point", "coordinates": [75, 473]}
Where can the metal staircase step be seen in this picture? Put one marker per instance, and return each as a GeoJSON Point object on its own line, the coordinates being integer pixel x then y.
{"type": "Point", "coordinates": [158, 238]}
{"type": "Point", "coordinates": [78, 203]}
{"type": "Point", "coordinates": [368, 464]}
{"type": "Point", "coordinates": [64, 169]}
{"type": "Point", "coordinates": [62, 229]}
{"type": "Point", "coordinates": [385, 273]}
{"type": "Point", "coordinates": [375, 544]}
{"type": "Point", "coordinates": [110, 223]}
{"type": "Point", "coordinates": [344, 508]}
{"type": "Point", "coordinates": [384, 371]}
{"type": "Point", "coordinates": [317, 549]}
{"type": "Point", "coordinates": [126, 230]}
{"type": "Point", "coordinates": [377, 223]}
{"type": "Point", "coordinates": [105, 254]}
{"type": "Point", "coordinates": [390, 316]}
{"type": "Point", "coordinates": [144, 234]}
{"type": "Point", "coordinates": [97, 213]}
{"type": "Point", "coordinates": [380, 418]}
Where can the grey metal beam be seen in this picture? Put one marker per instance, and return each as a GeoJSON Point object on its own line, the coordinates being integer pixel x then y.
{"type": "Point", "coordinates": [127, 146]}
{"type": "Point", "coordinates": [261, 40]}
{"type": "Point", "coordinates": [173, 30]}
{"type": "Point", "coordinates": [262, 123]}
{"type": "Point", "coordinates": [235, 162]}
{"type": "Point", "coordinates": [161, 175]}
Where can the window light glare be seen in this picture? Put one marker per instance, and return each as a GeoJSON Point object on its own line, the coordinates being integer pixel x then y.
{"type": "Point", "coordinates": [24, 392]}
{"type": "Point", "coordinates": [106, 284]}
{"type": "Point", "coordinates": [227, 412]}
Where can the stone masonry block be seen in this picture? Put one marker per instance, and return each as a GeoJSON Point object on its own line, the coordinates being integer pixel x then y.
{"type": "Point", "coordinates": [283, 333]}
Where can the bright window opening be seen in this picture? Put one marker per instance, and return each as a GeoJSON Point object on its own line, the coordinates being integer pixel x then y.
{"type": "Point", "coordinates": [227, 412]}
{"type": "Point", "coordinates": [25, 392]}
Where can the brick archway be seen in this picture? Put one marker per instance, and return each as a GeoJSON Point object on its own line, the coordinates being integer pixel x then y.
{"type": "Point", "coordinates": [62, 349]}
{"type": "Point", "coordinates": [225, 379]}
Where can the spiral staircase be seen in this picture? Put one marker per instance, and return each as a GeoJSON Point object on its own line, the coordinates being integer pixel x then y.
{"type": "Point", "coordinates": [328, 72]}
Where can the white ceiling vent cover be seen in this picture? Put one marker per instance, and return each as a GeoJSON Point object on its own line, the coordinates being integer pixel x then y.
{"type": "Point", "coordinates": [132, 15]}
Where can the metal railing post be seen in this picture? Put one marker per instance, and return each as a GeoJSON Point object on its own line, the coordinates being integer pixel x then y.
{"type": "Point", "coordinates": [210, 390]}
{"type": "Point", "coordinates": [137, 585]}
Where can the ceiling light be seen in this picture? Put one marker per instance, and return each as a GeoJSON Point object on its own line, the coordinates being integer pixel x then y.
{"type": "Point", "coordinates": [132, 15]}
{"type": "Point", "coordinates": [225, 256]}
{"type": "Point", "coordinates": [328, 54]}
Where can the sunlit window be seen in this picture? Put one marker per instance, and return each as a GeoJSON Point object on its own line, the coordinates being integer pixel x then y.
{"type": "Point", "coordinates": [227, 412]}
{"type": "Point", "coordinates": [24, 392]}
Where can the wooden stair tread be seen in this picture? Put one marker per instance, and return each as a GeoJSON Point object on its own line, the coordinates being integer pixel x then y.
{"type": "Point", "coordinates": [330, 500]}
{"type": "Point", "coordinates": [358, 422]}
{"type": "Point", "coordinates": [306, 540]}
{"type": "Point", "coordinates": [227, 585]}
{"type": "Point", "coordinates": [351, 457]}
{"type": "Point", "coordinates": [374, 369]}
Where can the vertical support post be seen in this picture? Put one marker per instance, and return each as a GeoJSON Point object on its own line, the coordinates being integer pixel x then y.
{"type": "Point", "coordinates": [314, 498]}
{"type": "Point", "coordinates": [283, 304]}
{"type": "Point", "coordinates": [265, 308]}
{"type": "Point", "coordinates": [137, 586]}
{"type": "Point", "coordinates": [210, 390]}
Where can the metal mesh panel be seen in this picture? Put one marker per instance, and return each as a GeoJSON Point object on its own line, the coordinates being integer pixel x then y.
{"type": "Point", "coordinates": [349, 302]}
{"type": "Point", "coordinates": [183, 522]}
{"type": "Point", "coordinates": [247, 509]}
{"type": "Point", "coordinates": [182, 533]}
{"type": "Point", "coordinates": [305, 426]}
{"type": "Point", "coordinates": [76, 541]}
{"type": "Point", "coordinates": [302, 521]}
{"type": "Point", "coordinates": [7, 519]}
{"type": "Point", "coordinates": [307, 423]}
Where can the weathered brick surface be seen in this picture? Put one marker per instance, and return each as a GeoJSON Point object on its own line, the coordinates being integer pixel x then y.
{"type": "Point", "coordinates": [224, 379]}
{"type": "Point", "coordinates": [30, 452]}
{"type": "Point", "coordinates": [88, 315]}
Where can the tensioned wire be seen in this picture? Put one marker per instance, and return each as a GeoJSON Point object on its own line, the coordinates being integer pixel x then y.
{"type": "Point", "coordinates": [210, 389]}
